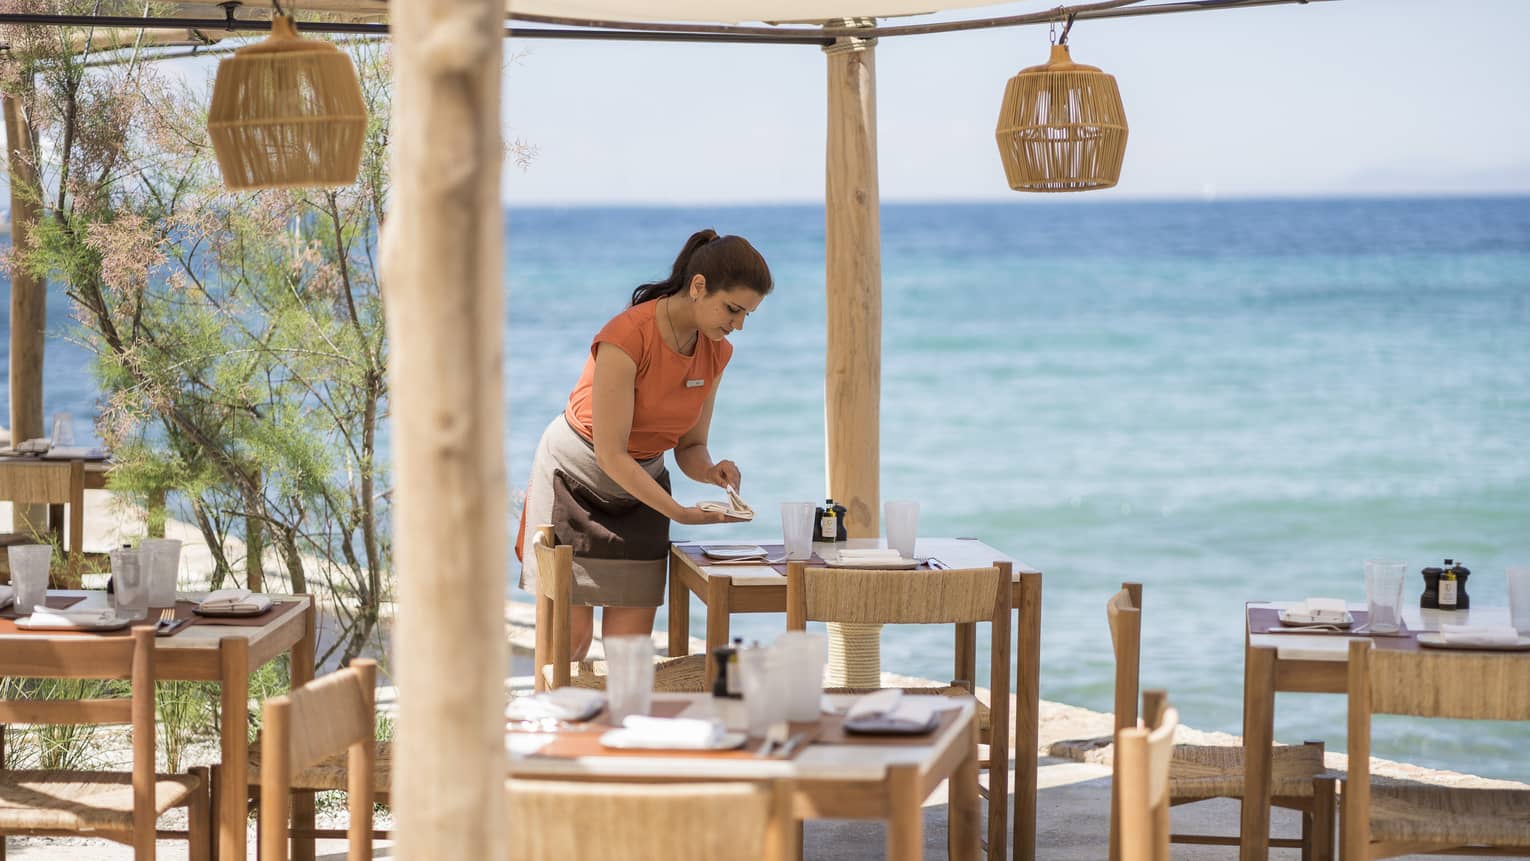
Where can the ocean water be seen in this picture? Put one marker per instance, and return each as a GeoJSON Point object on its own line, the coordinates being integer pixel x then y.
{"type": "Point", "coordinates": [1224, 401]}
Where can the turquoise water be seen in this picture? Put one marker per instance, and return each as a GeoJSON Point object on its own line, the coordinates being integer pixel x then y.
{"type": "Point", "coordinates": [1225, 401]}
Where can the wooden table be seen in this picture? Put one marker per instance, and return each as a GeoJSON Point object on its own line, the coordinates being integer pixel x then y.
{"type": "Point", "coordinates": [194, 654]}
{"type": "Point", "coordinates": [723, 593]}
{"type": "Point", "coordinates": [1305, 663]}
{"type": "Point", "coordinates": [45, 480]}
{"type": "Point", "coordinates": [831, 781]}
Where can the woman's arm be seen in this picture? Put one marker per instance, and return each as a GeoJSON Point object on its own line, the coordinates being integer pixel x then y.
{"type": "Point", "coordinates": [693, 457]}
{"type": "Point", "coordinates": [612, 403]}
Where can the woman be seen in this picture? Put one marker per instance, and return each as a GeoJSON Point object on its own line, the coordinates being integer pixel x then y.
{"type": "Point", "coordinates": [648, 387]}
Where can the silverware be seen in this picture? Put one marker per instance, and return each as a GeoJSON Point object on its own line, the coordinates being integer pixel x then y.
{"type": "Point", "coordinates": [935, 564]}
{"type": "Point", "coordinates": [775, 736]}
{"type": "Point", "coordinates": [166, 618]}
{"type": "Point", "coordinates": [785, 750]}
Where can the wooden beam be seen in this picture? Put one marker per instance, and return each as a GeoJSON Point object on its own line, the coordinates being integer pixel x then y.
{"type": "Point", "coordinates": [444, 297]}
{"type": "Point", "coordinates": [29, 299]}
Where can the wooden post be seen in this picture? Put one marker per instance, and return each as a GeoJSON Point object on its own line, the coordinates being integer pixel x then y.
{"type": "Point", "coordinates": [853, 369]}
{"type": "Point", "coordinates": [29, 301]}
{"type": "Point", "coordinates": [443, 263]}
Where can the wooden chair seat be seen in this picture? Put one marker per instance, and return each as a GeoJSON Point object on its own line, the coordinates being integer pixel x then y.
{"type": "Point", "coordinates": [686, 674]}
{"type": "Point", "coordinates": [1409, 813]}
{"type": "Point", "coordinates": [83, 800]}
{"type": "Point", "coordinates": [331, 773]}
{"type": "Point", "coordinates": [1216, 771]}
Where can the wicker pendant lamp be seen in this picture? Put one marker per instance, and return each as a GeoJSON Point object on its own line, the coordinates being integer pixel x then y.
{"type": "Point", "coordinates": [287, 113]}
{"type": "Point", "coordinates": [1062, 126]}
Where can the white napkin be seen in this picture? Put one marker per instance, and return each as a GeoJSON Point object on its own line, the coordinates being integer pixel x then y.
{"type": "Point", "coordinates": [51, 618]}
{"type": "Point", "coordinates": [559, 704]}
{"type": "Point", "coordinates": [891, 711]}
{"type": "Point", "coordinates": [1321, 610]}
{"type": "Point", "coordinates": [7, 595]}
{"type": "Point", "coordinates": [672, 733]}
{"type": "Point", "coordinates": [1479, 635]}
{"type": "Point", "coordinates": [236, 601]}
{"type": "Point", "coordinates": [870, 555]}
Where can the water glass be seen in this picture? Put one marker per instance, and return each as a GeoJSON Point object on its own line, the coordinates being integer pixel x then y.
{"type": "Point", "coordinates": [1519, 598]}
{"type": "Point", "coordinates": [629, 687]}
{"type": "Point", "coordinates": [1383, 594]}
{"type": "Point", "coordinates": [902, 526]}
{"type": "Point", "coordinates": [163, 558]}
{"type": "Point", "coordinates": [763, 676]}
{"type": "Point", "coordinates": [63, 430]}
{"type": "Point", "coordinates": [130, 583]}
{"type": "Point", "coordinates": [797, 529]}
{"type": "Point", "coordinates": [29, 575]}
{"type": "Point", "coordinates": [803, 655]}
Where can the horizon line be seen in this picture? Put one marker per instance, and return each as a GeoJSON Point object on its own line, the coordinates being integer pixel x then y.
{"type": "Point", "coordinates": [1031, 200]}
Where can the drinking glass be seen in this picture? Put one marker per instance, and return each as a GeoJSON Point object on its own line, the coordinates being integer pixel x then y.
{"type": "Point", "coordinates": [130, 584]}
{"type": "Point", "coordinates": [29, 575]}
{"type": "Point", "coordinates": [163, 558]}
{"type": "Point", "coordinates": [797, 529]}
{"type": "Point", "coordinates": [1383, 594]}
{"type": "Point", "coordinates": [63, 430]}
{"type": "Point", "coordinates": [902, 526]}
{"type": "Point", "coordinates": [629, 687]}
{"type": "Point", "coordinates": [803, 655]}
{"type": "Point", "coordinates": [1519, 598]}
{"type": "Point", "coordinates": [762, 674]}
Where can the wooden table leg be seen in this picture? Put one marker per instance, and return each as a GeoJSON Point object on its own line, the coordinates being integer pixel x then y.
{"type": "Point", "coordinates": [1027, 715]}
{"type": "Point", "coordinates": [233, 793]}
{"type": "Point", "coordinates": [1258, 736]}
{"type": "Point", "coordinates": [905, 814]}
{"type": "Point", "coordinates": [679, 613]}
{"type": "Point", "coordinates": [964, 813]}
{"type": "Point", "coordinates": [719, 608]}
{"type": "Point", "coordinates": [301, 673]}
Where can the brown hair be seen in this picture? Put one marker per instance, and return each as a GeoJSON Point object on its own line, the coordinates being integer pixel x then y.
{"type": "Point", "coordinates": [724, 261]}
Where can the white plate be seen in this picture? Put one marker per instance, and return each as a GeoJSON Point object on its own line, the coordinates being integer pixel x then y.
{"type": "Point", "coordinates": [25, 623]}
{"type": "Point", "coordinates": [1301, 620]}
{"type": "Point", "coordinates": [1436, 640]}
{"type": "Point", "coordinates": [876, 564]}
{"type": "Point", "coordinates": [623, 739]}
{"type": "Point", "coordinates": [733, 551]}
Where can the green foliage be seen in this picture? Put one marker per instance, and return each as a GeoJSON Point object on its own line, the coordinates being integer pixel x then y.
{"type": "Point", "coordinates": [55, 747]}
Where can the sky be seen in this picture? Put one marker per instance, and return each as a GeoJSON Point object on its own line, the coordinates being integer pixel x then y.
{"type": "Point", "coordinates": [1346, 98]}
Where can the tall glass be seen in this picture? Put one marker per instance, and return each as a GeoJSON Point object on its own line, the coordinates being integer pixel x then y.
{"type": "Point", "coordinates": [797, 529]}
{"type": "Point", "coordinates": [763, 675]}
{"type": "Point", "coordinates": [1383, 594]}
{"type": "Point", "coordinates": [63, 430]}
{"type": "Point", "coordinates": [803, 655]}
{"type": "Point", "coordinates": [1519, 598]}
{"type": "Point", "coordinates": [130, 584]}
{"type": "Point", "coordinates": [163, 558]}
{"type": "Point", "coordinates": [629, 687]}
{"type": "Point", "coordinates": [902, 526]}
{"type": "Point", "coordinates": [29, 575]}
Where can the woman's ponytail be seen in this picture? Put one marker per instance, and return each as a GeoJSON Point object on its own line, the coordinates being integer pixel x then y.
{"type": "Point", "coordinates": [677, 276]}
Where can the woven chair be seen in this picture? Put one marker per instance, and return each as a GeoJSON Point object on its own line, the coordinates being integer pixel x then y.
{"type": "Point", "coordinates": [557, 821]}
{"type": "Point", "coordinates": [553, 658]}
{"type": "Point", "coordinates": [119, 806]}
{"type": "Point", "coordinates": [51, 483]}
{"type": "Point", "coordinates": [1202, 772]}
{"type": "Point", "coordinates": [328, 717]}
{"type": "Point", "coordinates": [1143, 760]}
{"type": "Point", "coordinates": [1408, 818]}
{"type": "Point", "coordinates": [957, 596]}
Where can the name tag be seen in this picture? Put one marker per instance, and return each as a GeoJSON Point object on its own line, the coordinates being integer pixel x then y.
{"type": "Point", "coordinates": [695, 384]}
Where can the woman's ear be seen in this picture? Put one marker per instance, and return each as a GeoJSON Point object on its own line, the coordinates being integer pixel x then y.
{"type": "Point", "coordinates": [698, 287]}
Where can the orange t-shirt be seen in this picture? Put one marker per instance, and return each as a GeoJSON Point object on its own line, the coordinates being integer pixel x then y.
{"type": "Point", "coordinates": [670, 389]}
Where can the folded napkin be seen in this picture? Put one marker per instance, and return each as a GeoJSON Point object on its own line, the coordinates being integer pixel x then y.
{"type": "Point", "coordinates": [891, 711]}
{"type": "Point", "coordinates": [870, 555]}
{"type": "Point", "coordinates": [235, 601]}
{"type": "Point", "coordinates": [1479, 635]}
{"type": "Point", "coordinates": [672, 733]}
{"type": "Point", "coordinates": [560, 704]}
{"type": "Point", "coordinates": [7, 595]}
{"type": "Point", "coordinates": [51, 618]}
{"type": "Point", "coordinates": [1321, 610]}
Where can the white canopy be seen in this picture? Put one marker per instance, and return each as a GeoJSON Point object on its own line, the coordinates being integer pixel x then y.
{"type": "Point", "coordinates": [737, 11]}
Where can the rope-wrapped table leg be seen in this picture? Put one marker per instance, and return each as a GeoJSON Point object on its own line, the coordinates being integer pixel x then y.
{"type": "Point", "coordinates": [855, 655]}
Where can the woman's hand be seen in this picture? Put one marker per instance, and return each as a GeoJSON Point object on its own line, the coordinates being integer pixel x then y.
{"type": "Point", "coordinates": [724, 474]}
{"type": "Point", "coordinates": [694, 516]}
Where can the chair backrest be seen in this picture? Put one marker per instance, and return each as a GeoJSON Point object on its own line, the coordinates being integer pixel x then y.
{"type": "Point", "coordinates": [106, 658]}
{"type": "Point", "coordinates": [954, 595]}
{"type": "Point", "coordinates": [1143, 754]}
{"type": "Point", "coordinates": [1470, 685]}
{"type": "Point", "coordinates": [555, 599]}
{"type": "Point", "coordinates": [1124, 612]}
{"type": "Point", "coordinates": [327, 716]}
{"type": "Point", "coordinates": [43, 482]}
{"type": "Point", "coordinates": [555, 821]}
